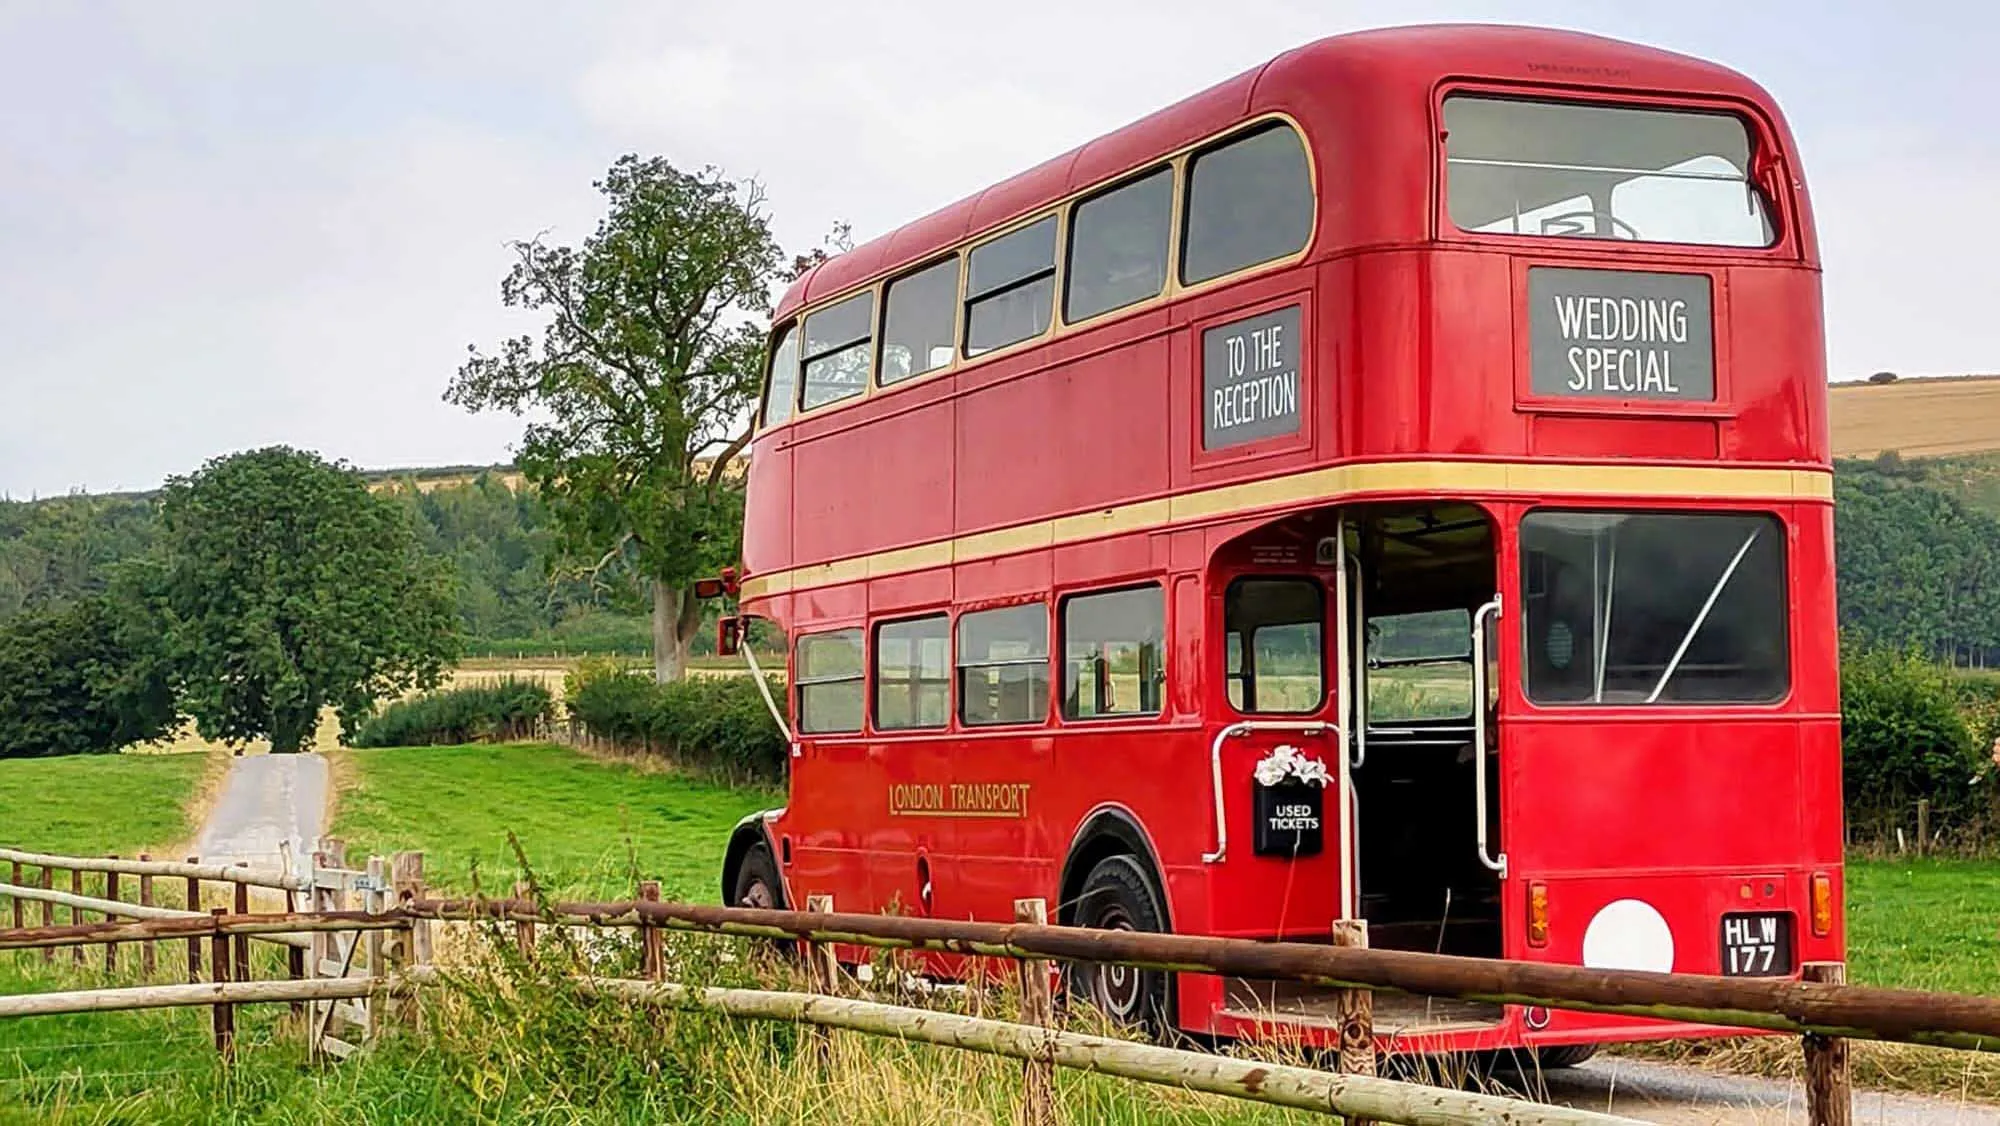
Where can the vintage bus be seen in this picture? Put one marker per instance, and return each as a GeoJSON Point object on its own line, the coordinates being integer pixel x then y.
{"type": "Point", "coordinates": [1390, 485]}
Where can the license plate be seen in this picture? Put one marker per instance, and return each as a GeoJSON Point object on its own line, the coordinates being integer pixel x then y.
{"type": "Point", "coordinates": [1757, 944]}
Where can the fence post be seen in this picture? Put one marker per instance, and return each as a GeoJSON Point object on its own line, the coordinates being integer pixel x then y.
{"type": "Point", "coordinates": [406, 880]}
{"type": "Point", "coordinates": [524, 929]}
{"type": "Point", "coordinates": [148, 953]}
{"type": "Point", "coordinates": [1038, 1076]}
{"type": "Point", "coordinates": [373, 902]}
{"type": "Point", "coordinates": [295, 957]}
{"type": "Point", "coordinates": [48, 910]}
{"type": "Point", "coordinates": [243, 940]}
{"type": "Point", "coordinates": [1829, 1098]}
{"type": "Point", "coordinates": [15, 879]}
{"type": "Point", "coordinates": [111, 893]}
{"type": "Point", "coordinates": [1923, 826]}
{"type": "Point", "coordinates": [822, 971]}
{"type": "Point", "coordinates": [1357, 1010]}
{"type": "Point", "coordinates": [76, 913]}
{"type": "Point", "coordinates": [224, 1013]}
{"type": "Point", "coordinates": [652, 959]}
{"type": "Point", "coordinates": [194, 944]}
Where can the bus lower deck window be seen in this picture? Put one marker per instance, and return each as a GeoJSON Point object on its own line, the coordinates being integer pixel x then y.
{"type": "Point", "coordinates": [829, 682]}
{"type": "Point", "coordinates": [1275, 660]}
{"type": "Point", "coordinates": [1112, 652]}
{"type": "Point", "coordinates": [1003, 665]}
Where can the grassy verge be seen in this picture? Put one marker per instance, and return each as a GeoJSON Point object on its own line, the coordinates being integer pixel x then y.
{"type": "Point", "coordinates": [89, 805]}
{"type": "Point", "coordinates": [584, 824]}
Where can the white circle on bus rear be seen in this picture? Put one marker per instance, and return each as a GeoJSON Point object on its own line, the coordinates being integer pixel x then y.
{"type": "Point", "coordinates": [1629, 934]}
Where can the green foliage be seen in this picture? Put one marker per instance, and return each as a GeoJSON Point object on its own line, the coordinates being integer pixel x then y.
{"type": "Point", "coordinates": [1916, 565]}
{"type": "Point", "coordinates": [649, 364]}
{"type": "Point", "coordinates": [286, 587]}
{"type": "Point", "coordinates": [87, 678]}
{"type": "Point", "coordinates": [475, 713]}
{"type": "Point", "coordinates": [1905, 737]}
{"type": "Point", "coordinates": [714, 724]}
{"type": "Point", "coordinates": [57, 550]}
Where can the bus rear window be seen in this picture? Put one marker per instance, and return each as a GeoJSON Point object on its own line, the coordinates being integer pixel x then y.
{"type": "Point", "coordinates": [1653, 607]}
{"type": "Point", "coordinates": [1568, 170]}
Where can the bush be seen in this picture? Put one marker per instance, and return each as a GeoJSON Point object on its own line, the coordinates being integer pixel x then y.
{"type": "Point", "coordinates": [713, 724]}
{"type": "Point", "coordinates": [511, 709]}
{"type": "Point", "coordinates": [1907, 735]}
{"type": "Point", "coordinates": [84, 679]}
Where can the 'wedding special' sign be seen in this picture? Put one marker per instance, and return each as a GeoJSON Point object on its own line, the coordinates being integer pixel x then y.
{"type": "Point", "coordinates": [1620, 334]}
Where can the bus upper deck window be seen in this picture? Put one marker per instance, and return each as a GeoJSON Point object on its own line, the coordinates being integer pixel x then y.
{"type": "Point", "coordinates": [783, 389]}
{"type": "Point", "coordinates": [1249, 200]}
{"type": "Point", "coordinates": [1571, 170]}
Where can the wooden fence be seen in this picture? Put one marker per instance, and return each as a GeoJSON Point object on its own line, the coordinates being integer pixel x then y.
{"type": "Point", "coordinates": [369, 931]}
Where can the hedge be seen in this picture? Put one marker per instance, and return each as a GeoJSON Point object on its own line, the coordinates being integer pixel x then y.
{"type": "Point", "coordinates": [712, 724]}
{"type": "Point", "coordinates": [1910, 731]}
{"type": "Point", "coordinates": [510, 709]}
{"type": "Point", "coordinates": [85, 678]}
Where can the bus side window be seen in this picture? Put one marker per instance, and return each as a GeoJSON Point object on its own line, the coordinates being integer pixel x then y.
{"type": "Point", "coordinates": [919, 311]}
{"type": "Point", "coordinates": [1010, 287]}
{"type": "Point", "coordinates": [782, 390]}
{"type": "Point", "coordinates": [1003, 665]}
{"type": "Point", "coordinates": [1249, 200]}
{"type": "Point", "coordinates": [1114, 647]}
{"type": "Point", "coordinates": [838, 352]}
{"type": "Point", "coordinates": [829, 682]}
{"type": "Point", "coordinates": [1277, 663]}
{"type": "Point", "coordinates": [912, 687]}
{"type": "Point", "coordinates": [1118, 246]}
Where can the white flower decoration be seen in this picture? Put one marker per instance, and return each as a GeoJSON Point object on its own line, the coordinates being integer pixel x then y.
{"type": "Point", "coordinates": [1285, 761]}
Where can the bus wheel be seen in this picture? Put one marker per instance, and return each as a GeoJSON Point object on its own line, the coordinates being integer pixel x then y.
{"type": "Point", "coordinates": [1118, 895]}
{"type": "Point", "coordinates": [757, 883]}
{"type": "Point", "coordinates": [1568, 1055]}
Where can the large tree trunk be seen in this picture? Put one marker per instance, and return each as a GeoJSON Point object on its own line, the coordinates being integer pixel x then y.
{"type": "Point", "coordinates": [676, 617]}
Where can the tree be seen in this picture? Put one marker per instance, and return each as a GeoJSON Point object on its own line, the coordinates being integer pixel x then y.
{"type": "Point", "coordinates": [286, 586]}
{"type": "Point", "coordinates": [641, 385]}
{"type": "Point", "coordinates": [86, 678]}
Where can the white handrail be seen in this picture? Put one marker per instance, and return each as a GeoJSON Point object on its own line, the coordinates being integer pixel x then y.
{"type": "Point", "coordinates": [1242, 727]}
{"type": "Point", "coordinates": [1479, 616]}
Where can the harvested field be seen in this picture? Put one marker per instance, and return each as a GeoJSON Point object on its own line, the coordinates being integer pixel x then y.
{"type": "Point", "coordinates": [1926, 417]}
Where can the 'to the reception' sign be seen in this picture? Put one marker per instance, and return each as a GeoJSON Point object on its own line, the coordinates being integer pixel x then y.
{"type": "Point", "coordinates": [1250, 379]}
{"type": "Point", "coordinates": [1619, 334]}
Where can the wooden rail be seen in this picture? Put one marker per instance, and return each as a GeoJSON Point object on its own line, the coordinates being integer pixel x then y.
{"type": "Point", "coordinates": [1949, 1020]}
{"type": "Point", "coordinates": [190, 869]}
{"type": "Point", "coordinates": [1820, 1009]}
{"type": "Point", "coordinates": [1352, 1096]}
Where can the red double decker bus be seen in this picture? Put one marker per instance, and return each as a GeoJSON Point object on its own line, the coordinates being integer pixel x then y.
{"type": "Point", "coordinates": [1391, 485]}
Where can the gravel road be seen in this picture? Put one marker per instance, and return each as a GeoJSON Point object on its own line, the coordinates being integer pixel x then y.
{"type": "Point", "coordinates": [267, 799]}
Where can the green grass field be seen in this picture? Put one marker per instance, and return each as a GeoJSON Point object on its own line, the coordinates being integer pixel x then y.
{"type": "Point", "coordinates": [94, 804]}
{"type": "Point", "coordinates": [582, 823]}
{"type": "Point", "coordinates": [1924, 924]}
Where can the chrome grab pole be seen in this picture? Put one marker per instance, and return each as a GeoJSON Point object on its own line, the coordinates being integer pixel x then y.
{"type": "Point", "coordinates": [1479, 691]}
{"type": "Point", "coordinates": [1241, 727]}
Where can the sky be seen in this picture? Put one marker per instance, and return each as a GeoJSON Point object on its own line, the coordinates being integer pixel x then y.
{"type": "Point", "coordinates": [233, 223]}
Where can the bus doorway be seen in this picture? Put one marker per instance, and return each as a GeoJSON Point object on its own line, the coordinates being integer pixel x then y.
{"type": "Point", "coordinates": [1424, 749]}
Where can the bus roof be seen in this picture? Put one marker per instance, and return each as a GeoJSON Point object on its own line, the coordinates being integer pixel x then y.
{"type": "Point", "coordinates": [1367, 65]}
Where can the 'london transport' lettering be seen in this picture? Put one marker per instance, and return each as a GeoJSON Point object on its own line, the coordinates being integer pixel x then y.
{"type": "Point", "coordinates": [959, 799]}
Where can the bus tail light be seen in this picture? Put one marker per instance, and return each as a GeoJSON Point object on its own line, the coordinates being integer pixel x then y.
{"type": "Point", "coordinates": [1538, 913]}
{"type": "Point", "coordinates": [1822, 904]}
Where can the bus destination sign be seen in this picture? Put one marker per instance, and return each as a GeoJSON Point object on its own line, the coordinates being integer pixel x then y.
{"type": "Point", "coordinates": [1617, 334]}
{"type": "Point", "coordinates": [1250, 379]}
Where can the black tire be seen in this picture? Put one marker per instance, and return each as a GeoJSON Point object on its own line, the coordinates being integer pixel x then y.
{"type": "Point", "coordinates": [1119, 894]}
{"type": "Point", "coordinates": [757, 882]}
{"type": "Point", "coordinates": [1568, 1055]}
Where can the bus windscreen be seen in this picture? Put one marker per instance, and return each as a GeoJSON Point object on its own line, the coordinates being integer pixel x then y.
{"type": "Point", "coordinates": [1571, 170]}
